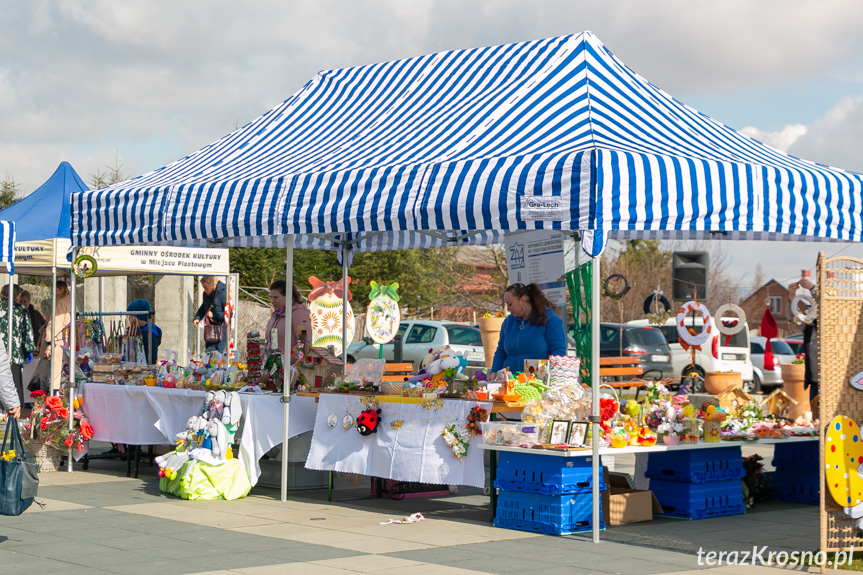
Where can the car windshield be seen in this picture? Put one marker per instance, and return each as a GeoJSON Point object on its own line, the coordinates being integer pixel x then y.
{"type": "Point", "coordinates": [463, 335]}
{"type": "Point", "coordinates": [736, 340]}
{"type": "Point", "coordinates": [645, 336]}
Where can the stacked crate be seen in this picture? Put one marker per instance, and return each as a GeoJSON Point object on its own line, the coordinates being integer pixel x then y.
{"type": "Point", "coordinates": [544, 493]}
{"type": "Point", "coordinates": [698, 483]}
{"type": "Point", "coordinates": [797, 478]}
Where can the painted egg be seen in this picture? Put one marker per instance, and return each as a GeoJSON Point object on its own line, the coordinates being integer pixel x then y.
{"type": "Point", "coordinates": [382, 319]}
{"type": "Point", "coordinates": [326, 316]}
{"type": "Point", "coordinates": [857, 380]}
{"type": "Point", "coordinates": [842, 452]}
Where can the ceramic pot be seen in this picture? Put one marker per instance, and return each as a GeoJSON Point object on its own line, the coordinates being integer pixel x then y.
{"type": "Point", "coordinates": [670, 439]}
{"type": "Point", "coordinates": [717, 382]}
{"type": "Point", "coordinates": [793, 375]}
{"type": "Point", "coordinates": [489, 328]}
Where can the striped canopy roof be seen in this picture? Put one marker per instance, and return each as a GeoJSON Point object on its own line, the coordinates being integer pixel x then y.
{"type": "Point", "coordinates": [459, 147]}
{"type": "Point", "coordinates": [7, 244]}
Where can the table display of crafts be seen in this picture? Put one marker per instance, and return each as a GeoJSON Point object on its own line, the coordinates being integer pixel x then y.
{"type": "Point", "coordinates": [210, 370]}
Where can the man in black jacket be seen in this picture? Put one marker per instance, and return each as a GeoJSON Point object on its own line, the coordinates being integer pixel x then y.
{"type": "Point", "coordinates": [213, 309]}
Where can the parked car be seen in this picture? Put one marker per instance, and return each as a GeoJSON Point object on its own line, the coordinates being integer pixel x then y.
{"type": "Point", "coordinates": [721, 353]}
{"type": "Point", "coordinates": [795, 342]}
{"type": "Point", "coordinates": [782, 353]}
{"type": "Point", "coordinates": [419, 337]}
{"type": "Point", "coordinates": [644, 342]}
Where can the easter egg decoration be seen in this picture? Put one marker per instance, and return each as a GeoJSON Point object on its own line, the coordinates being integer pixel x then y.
{"type": "Point", "coordinates": [383, 316]}
{"type": "Point", "coordinates": [325, 309]}
{"type": "Point", "coordinates": [842, 452]}
{"type": "Point", "coordinates": [646, 437]}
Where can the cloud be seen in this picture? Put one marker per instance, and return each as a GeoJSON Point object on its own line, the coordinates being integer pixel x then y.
{"type": "Point", "coordinates": [781, 140]}
{"type": "Point", "coordinates": [836, 138]}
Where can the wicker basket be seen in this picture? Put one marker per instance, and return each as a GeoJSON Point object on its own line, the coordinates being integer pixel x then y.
{"type": "Point", "coordinates": [392, 387]}
{"type": "Point", "coordinates": [47, 456]}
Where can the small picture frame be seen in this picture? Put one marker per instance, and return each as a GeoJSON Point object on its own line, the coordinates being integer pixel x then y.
{"type": "Point", "coordinates": [577, 433]}
{"type": "Point", "coordinates": [559, 431]}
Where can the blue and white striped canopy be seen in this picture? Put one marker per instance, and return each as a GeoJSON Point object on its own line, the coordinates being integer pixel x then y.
{"type": "Point", "coordinates": [7, 245]}
{"type": "Point", "coordinates": [460, 147]}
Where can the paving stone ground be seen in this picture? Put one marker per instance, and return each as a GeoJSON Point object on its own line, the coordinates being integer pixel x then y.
{"type": "Point", "coordinates": [100, 521]}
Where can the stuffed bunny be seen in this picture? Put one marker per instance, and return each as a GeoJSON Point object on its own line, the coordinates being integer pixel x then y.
{"type": "Point", "coordinates": [233, 409]}
{"type": "Point", "coordinates": [170, 463]}
{"type": "Point", "coordinates": [218, 438]}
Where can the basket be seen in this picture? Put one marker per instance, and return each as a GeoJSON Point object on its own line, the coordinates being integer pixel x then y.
{"type": "Point", "coordinates": [46, 456]}
{"type": "Point", "coordinates": [392, 387]}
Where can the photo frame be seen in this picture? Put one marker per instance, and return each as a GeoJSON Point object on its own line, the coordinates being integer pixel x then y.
{"type": "Point", "coordinates": [578, 433]}
{"type": "Point", "coordinates": [559, 431]}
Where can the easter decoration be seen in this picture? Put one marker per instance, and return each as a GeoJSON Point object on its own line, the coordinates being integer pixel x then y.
{"type": "Point", "coordinates": [383, 315]}
{"type": "Point", "coordinates": [325, 310]}
{"type": "Point", "coordinates": [842, 453]}
{"type": "Point", "coordinates": [368, 421]}
{"type": "Point", "coordinates": [656, 308]}
{"type": "Point", "coordinates": [84, 266]}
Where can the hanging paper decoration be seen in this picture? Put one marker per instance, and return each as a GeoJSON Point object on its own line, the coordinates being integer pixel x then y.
{"type": "Point", "coordinates": [736, 321]}
{"type": "Point", "coordinates": [325, 309]}
{"type": "Point", "coordinates": [657, 308]}
{"type": "Point", "coordinates": [843, 449]}
{"type": "Point", "coordinates": [804, 296]}
{"type": "Point", "coordinates": [84, 266]}
{"type": "Point", "coordinates": [383, 315]}
{"type": "Point", "coordinates": [768, 329]}
{"type": "Point", "coordinates": [687, 338]}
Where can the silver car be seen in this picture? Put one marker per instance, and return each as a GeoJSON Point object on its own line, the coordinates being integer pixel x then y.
{"type": "Point", "coordinates": [782, 353]}
{"type": "Point", "coordinates": [420, 336]}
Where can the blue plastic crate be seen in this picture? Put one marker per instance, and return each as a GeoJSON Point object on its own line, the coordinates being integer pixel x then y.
{"type": "Point", "coordinates": [544, 474]}
{"type": "Point", "coordinates": [697, 465]}
{"type": "Point", "coordinates": [797, 455]}
{"type": "Point", "coordinates": [551, 514]}
{"type": "Point", "coordinates": [699, 500]}
{"type": "Point", "coordinates": [797, 486]}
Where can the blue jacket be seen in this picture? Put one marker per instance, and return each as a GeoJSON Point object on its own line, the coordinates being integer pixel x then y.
{"type": "Point", "coordinates": [152, 356]}
{"type": "Point", "coordinates": [521, 340]}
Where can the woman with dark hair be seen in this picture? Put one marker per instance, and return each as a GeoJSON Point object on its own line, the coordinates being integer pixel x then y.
{"type": "Point", "coordinates": [213, 310]}
{"type": "Point", "coordinates": [300, 319]}
{"type": "Point", "coordinates": [531, 331]}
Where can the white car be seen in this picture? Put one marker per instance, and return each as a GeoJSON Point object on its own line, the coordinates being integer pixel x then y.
{"type": "Point", "coordinates": [782, 353]}
{"type": "Point", "coordinates": [720, 353]}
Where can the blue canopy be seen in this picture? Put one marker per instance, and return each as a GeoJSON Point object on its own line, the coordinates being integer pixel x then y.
{"type": "Point", "coordinates": [44, 214]}
{"type": "Point", "coordinates": [459, 147]}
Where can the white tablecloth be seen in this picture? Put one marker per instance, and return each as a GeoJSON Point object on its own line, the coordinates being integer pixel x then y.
{"type": "Point", "coordinates": [412, 451]}
{"type": "Point", "coordinates": [137, 415]}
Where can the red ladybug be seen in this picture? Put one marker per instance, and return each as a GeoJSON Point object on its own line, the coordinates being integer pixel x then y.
{"type": "Point", "coordinates": [367, 422]}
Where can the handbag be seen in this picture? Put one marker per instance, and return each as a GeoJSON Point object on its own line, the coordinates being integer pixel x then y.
{"type": "Point", "coordinates": [19, 479]}
{"type": "Point", "coordinates": [41, 378]}
{"type": "Point", "coordinates": [212, 331]}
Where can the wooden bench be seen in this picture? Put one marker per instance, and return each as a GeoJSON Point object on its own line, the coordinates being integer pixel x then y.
{"type": "Point", "coordinates": [396, 372]}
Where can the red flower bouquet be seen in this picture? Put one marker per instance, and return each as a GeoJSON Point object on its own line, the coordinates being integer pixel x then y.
{"type": "Point", "coordinates": [49, 421]}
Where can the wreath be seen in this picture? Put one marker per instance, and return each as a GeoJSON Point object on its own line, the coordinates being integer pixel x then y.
{"type": "Point", "coordinates": [687, 338]}
{"type": "Point", "coordinates": [807, 300]}
{"type": "Point", "coordinates": [616, 295]}
{"type": "Point", "coordinates": [738, 312]}
{"type": "Point", "coordinates": [655, 314]}
{"type": "Point", "coordinates": [84, 266]}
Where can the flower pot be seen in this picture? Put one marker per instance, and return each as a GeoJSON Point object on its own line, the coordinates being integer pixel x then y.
{"type": "Point", "coordinates": [716, 382]}
{"type": "Point", "coordinates": [670, 439]}
{"type": "Point", "coordinates": [489, 328]}
{"type": "Point", "coordinates": [793, 375]}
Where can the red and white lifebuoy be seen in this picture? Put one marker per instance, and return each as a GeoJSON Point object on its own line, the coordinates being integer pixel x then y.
{"type": "Point", "coordinates": [694, 340]}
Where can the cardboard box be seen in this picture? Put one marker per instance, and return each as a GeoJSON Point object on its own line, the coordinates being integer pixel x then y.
{"type": "Point", "coordinates": [622, 504]}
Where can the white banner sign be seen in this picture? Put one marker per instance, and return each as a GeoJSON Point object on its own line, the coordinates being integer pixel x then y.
{"type": "Point", "coordinates": [536, 256]}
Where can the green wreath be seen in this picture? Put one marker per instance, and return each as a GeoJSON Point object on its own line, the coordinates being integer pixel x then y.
{"type": "Point", "coordinates": [85, 267]}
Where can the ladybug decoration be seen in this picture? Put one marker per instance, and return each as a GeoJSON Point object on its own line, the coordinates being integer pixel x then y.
{"type": "Point", "coordinates": [368, 421]}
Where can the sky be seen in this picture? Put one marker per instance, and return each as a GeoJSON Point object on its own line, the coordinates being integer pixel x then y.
{"type": "Point", "coordinates": [138, 84]}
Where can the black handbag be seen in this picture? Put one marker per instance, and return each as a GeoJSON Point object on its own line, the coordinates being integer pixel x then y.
{"type": "Point", "coordinates": [19, 479]}
{"type": "Point", "coordinates": [212, 331]}
{"type": "Point", "coordinates": [41, 379]}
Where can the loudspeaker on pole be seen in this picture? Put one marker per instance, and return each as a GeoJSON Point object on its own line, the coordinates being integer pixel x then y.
{"type": "Point", "coordinates": [690, 276]}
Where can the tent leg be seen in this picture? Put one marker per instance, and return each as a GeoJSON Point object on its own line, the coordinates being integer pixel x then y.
{"type": "Point", "coordinates": [9, 320]}
{"type": "Point", "coordinates": [72, 359]}
{"type": "Point", "coordinates": [50, 336]}
{"type": "Point", "coordinates": [286, 360]}
{"type": "Point", "coordinates": [594, 391]}
{"type": "Point", "coordinates": [344, 310]}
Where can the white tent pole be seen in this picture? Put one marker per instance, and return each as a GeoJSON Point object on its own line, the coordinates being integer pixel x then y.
{"type": "Point", "coordinates": [72, 359]}
{"type": "Point", "coordinates": [286, 359]}
{"type": "Point", "coordinates": [10, 317]}
{"type": "Point", "coordinates": [594, 389]}
{"type": "Point", "coordinates": [50, 336]}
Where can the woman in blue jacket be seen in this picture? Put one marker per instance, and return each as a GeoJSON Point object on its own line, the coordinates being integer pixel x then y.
{"type": "Point", "coordinates": [531, 331]}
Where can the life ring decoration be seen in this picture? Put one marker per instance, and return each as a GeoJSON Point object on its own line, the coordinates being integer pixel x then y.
{"type": "Point", "coordinates": [84, 266]}
{"type": "Point", "coordinates": [615, 295]}
{"type": "Point", "coordinates": [807, 300]}
{"type": "Point", "coordinates": [657, 308]}
{"type": "Point", "coordinates": [733, 310]}
{"type": "Point", "coordinates": [689, 340]}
